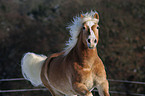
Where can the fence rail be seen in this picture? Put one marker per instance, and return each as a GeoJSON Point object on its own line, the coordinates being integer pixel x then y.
{"type": "Point", "coordinates": [111, 80]}
{"type": "Point", "coordinates": [44, 89]}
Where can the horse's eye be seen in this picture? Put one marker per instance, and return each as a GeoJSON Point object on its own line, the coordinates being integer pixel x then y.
{"type": "Point", "coordinates": [84, 28]}
{"type": "Point", "coordinates": [98, 27]}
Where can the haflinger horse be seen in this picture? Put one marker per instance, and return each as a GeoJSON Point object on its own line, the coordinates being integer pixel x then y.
{"type": "Point", "coordinates": [77, 70]}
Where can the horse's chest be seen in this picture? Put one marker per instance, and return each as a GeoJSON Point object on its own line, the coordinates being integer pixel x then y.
{"type": "Point", "coordinates": [88, 82]}
{"type": "Point", "coordinates": [85, 76]}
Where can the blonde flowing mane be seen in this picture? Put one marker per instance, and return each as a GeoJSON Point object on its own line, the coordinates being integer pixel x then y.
{"type": "Point", "coordinates": [75, 28]}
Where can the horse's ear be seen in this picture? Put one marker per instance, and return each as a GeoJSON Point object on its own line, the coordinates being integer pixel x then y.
{"type": "Point", "coordinates": [82, 16]}
{"type": "Point", "coordinates": [96, 16]}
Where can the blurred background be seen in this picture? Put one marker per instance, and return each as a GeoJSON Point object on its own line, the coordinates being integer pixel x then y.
{"type": "Point", "coordinates": [40, 26]}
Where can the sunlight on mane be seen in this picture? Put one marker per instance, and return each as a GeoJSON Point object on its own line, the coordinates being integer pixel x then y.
{"type": "Point", "coordinates": [75, 27]}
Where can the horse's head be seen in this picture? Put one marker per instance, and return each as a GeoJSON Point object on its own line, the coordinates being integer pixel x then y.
{"type": "Point", "coordinates": [83, 30]}
{"type": "Point", "coordinates": [90, 32]}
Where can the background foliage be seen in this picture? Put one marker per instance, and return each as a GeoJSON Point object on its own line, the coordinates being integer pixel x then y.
{"type": "Point", "coordinates": [40, 26]}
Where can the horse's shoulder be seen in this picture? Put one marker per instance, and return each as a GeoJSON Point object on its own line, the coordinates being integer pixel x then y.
{"type": "Point", "coordinates": [98, 67]}
{"type": "Point", "coordinates": [98, 61]}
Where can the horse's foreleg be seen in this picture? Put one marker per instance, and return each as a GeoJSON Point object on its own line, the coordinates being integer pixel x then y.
{"type": "Point", "coordinates": [81, 89]}
{"type": "Point", "coordinates": [103, 89]}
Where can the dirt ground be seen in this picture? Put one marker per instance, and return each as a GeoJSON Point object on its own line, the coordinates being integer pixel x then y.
{"type": "Point", "coordinates": [40, 26]}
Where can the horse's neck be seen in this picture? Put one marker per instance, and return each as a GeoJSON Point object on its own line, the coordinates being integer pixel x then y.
{"type": "Point", "coordinates": [82, 54]}
{"type": "Point", "coordinates": [85, 53]}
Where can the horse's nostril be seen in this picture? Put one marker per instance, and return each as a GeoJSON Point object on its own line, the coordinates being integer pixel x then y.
{"type": "Point", "coordinates": [95, 41]}
{"type": "Point", "coordinates": [89, 41]}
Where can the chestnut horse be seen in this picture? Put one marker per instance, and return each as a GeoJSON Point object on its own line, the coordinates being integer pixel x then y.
{"type": "Point", "coordinates": [74, 71]}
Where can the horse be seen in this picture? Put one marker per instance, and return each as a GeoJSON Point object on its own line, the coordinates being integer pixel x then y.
{"type": "Point", "coordinates": [78, 69]}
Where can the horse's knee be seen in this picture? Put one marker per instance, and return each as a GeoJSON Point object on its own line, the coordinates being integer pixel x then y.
{"type": "Point", "coordinates": [89, 94]}
{"type": "Point", "coordinates": [103, 88]}
{"type": "Point", "coordinates": [81, 89]}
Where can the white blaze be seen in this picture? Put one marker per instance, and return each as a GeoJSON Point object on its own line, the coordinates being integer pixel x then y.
{"type": "Point", "coordinates": [90, 24]}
